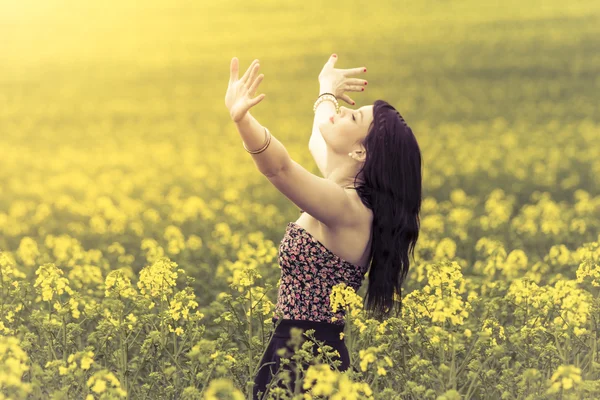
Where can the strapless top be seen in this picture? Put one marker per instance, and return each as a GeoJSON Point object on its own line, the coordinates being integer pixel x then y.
{"type": "Point", "coordinates": [309, 270]}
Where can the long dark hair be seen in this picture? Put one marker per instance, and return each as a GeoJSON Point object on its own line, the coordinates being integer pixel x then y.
{"type": "Point", "coordinates": [392, 190]}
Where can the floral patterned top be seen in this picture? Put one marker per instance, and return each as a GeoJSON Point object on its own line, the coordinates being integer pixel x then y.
{"type": "Point", "coordinates": [308, 272]}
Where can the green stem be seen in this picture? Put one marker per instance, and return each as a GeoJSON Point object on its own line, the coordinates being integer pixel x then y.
{"type": "Point", "coordinates": [175, 351]}
{"type": "Point", "coordinates": [50, 340]}
{"type": "Point", "coordinates": [65, 355]}
{"type": "Point", "coordinates": [124, 359]}
{"type": "Point", "coordinates": [453, 365]}
{"type": "Point", "coordinates": [351, 337]}
{"type": "Point", "coordinates": [250, 341]}
{"type": "Point", "coordinates": [206, 382]}
{"type": "Point", "coordinates": [471, 386]}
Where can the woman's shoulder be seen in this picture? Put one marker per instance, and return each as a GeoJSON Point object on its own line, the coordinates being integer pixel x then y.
{"type": "Point", "coordinates": [364, 215]}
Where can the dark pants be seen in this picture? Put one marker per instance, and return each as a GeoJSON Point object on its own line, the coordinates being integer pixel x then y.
{"type": "Point", "coordinates": [329, 333]}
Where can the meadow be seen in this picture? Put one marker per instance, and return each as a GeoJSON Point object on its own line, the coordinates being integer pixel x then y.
{"type": "Point", "coordinates": [139, 243]}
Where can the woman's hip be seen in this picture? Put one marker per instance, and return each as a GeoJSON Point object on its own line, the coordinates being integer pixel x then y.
{"type": "Point", "coordinates": [323, 331]}
{"type": "Point", "coordinates": [324, 334]}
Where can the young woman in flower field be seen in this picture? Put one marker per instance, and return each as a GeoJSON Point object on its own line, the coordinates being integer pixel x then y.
{"type": "Point", "coordinates": [363, 215]}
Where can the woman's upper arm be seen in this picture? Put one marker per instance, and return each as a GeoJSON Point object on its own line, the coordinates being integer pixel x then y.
{"type": "Point", "coordinates": [318, 149]}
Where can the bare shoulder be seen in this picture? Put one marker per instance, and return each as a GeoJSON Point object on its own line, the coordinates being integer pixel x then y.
{"type": "Point", "coordinates": [363, 214]}
{"type": "Point", "coordinates": [351, 240]}
{"type": "Point", "coordinates": [354, 240]}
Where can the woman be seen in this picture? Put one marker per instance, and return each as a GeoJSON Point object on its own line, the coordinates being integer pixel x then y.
{"type": "Point", "coordinates": [363, 215]}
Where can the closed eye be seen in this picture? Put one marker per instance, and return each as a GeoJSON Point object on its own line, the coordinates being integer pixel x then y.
{"type": "Point", "coordinates": [354, 119]}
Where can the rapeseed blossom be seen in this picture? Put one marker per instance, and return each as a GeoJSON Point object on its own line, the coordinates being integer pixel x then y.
{"type": "Point", "coordinates": [589, 262]}
{"type": "Point", "coordinates": [180, 305]}
{"type": "Point", "coordinates": [175, 239]}
{"type": "Point", "coordinates": [222, 388]}
{"type": "Point", "coordinates": [564, 379]}
{"type": "Point", "coordinates": [154, 251]}
{"type": "Point", "coordinates": [13, 364]}
{"type": "Point", "coordinates": [344, 296]}
{"type": "Point", "coordinates": [515, 264]}
{"type": "Point", "coordinates": [105, 383]}
{"type": "Point", "coordinates": [158, 280]}
{"type": "Point", "coordinates": [373, 355]}
{"type": "Point", "coordinates": [50, 282]}
{"type": "Point", "coordinates": [8, 272]}
{"type": "Point", "coordinates": [118, 284]}
{"type": "Point", "coordinates": [446, 249]}
{"type": "Point", "coordinates": [322, 381]}
{"type": "Point", "coordinates": [85, 359]}
{"type": "Point", "coordinates": [28, 251]}
{"type": "Point", "coordinates": [439, 299]}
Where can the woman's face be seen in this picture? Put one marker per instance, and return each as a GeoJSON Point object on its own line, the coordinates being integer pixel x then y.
{"type": "Point", "coordinates": [346, 130]}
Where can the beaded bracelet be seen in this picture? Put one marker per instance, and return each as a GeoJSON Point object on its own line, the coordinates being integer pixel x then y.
{"type": "Point", "coordinates": [326, 97]}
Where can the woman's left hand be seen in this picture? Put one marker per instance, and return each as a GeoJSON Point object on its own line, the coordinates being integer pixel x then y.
{"type": "Point", "coordinates": [239, 92]}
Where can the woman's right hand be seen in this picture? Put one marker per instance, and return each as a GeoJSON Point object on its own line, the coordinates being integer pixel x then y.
{"type": "Point", "coordinates": [339, 81]}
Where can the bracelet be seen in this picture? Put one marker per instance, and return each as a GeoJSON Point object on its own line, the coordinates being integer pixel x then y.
{"type": "Point", "coordinates": [323, 97]}
{"type": "Point", "coordinates": [267, 143]}
{"type": "Point", "coordinates": [323, 94]}
{"type": "Point", "coordinates": [326, 97]}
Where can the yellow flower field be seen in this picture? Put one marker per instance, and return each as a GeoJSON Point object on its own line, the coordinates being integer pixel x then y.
{"type": "Point", "coordinates": [139, 242]}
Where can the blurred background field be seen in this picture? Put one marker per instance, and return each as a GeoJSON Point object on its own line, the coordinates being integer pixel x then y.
{"type": "Point", "coordinates": [114, 135]}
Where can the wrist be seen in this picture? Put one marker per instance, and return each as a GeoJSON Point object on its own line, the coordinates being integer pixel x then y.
{"type": "Point", "coordinates": [326, 89]}
{"type": "Point", "coordinates": [243, 119]}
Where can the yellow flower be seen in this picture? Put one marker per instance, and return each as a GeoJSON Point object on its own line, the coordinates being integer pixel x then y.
{"type": "Point", "coordinates": [86, 360]}
{"type": "Point", "coordinates": [105, 381]}
{"type": "Point", "coordinates": [321, 379]}
{"type": "Point", "coordinates": [99, 386]}
{"type": "Point", "coordinates": [117, 283]}
{"type": "Point", "coordinates": [446, 249]}
{"type": "Point", "coordinates": [230, 358]}
{"type": "Point", "coordinates": [564, 378]}
{"type": "Point", "coordinates": [342, 295]}
{"type": "Point", "coordinates": [28, 251]}
{"type": "Point", "coordinates": [366, 357]}
{"type": "Point", "coordinates": [222, 388]}
{"type": "Point", "coordinates": [158, 279]}
{"type": "Point", "coordinates": [51, 282]}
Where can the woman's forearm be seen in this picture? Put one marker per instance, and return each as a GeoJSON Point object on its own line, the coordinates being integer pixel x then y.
{"type": "Point", "coordinates": [324, 110]}
{"type": "Point", "coordinates": [274, 158]}
{"type": "Point", "coordinates": [316, 144]}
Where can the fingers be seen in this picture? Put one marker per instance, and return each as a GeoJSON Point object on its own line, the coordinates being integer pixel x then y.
{"type": "Point", "coordinates": [347, 99]}
{"type": "Point", "coordinates": [257, 99]}
{"type": "Point", "coordinates": [248, 71]}
{"type": "Point", "coordinates": [356, 82]}
{"type": "Point", "coordinates": [354, 88]}
{"type": "Point", "coordinates": [233, 69]}
{"type": "Point", "coordinates": [355, 71]}
{"type": "Point", "coordinates": [253, 73]}
{"type": "Point", "coordinates": [255, 84]}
